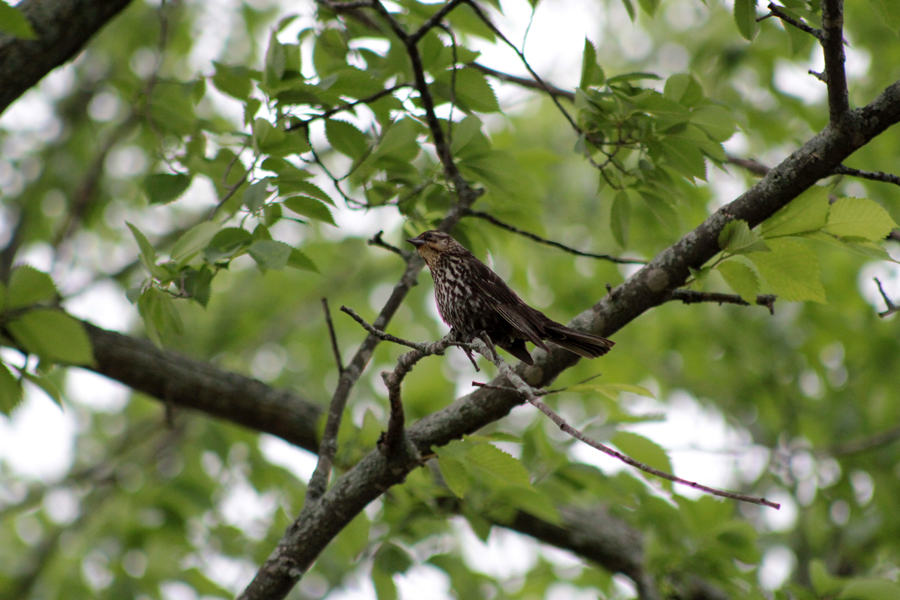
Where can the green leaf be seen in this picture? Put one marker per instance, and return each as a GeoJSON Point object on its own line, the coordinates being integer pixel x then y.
{"type": "Point", "coordinates": [391, 558]}
{"type": "Point", "coordinates": [233, 80]}
{"type": "Point", "coordinates": [473, 92]}
{"type": "Point", "coordinates": [649, 6]}
{"type": "Point", "coordinates": [255, 194]}
{"type": "Point", "coordinates": [870, 589]}
{"type": "Point", "coordinates": [28, 286]}
{"type": "Point", "coordinates": [309, 207]}
{"type": "Point", "coordinates": [162, 188]}
{"type": "Point", "coordinates": [198, 285]}
{"type": "Point", "coordinates": [501, 468]}
{"type": "Point", "coordinates": [591, 73]}
{"type": "Point", "coordinates": [684, 156]}
{"type": "Point", "coordinates": [620, 217]}
{"type": "Point", "coordinates": [808, 212]}
{"type": "Point", "coordinates": [745, 18]}
{"type": "Point", "coordinates": [53, 336]}
{"type": "Point", "coordinates": [346, 138]}
{"type": "Point", "coordinates": [825, 584]}
{"type": "Point", "coordinates": [276, 62]}
{"type": "Point", "coordinates": [226, 244]}
{"type": "Point", "coordinates": [888, 12]}
{"type": "Point", "coordinates": [792, 270]}
{"type": "Point", "coordinates": [859, 218]}
{"type": "Point", "coordinates": [611, 390]}
{"type": "Point", "coordinates": [737, 238]}
{"type": "Point", "coordinates": [741, 279]}
{"type": "Point", "coordinates": [299, 260]}
{"type": "Point", "coordinates": [10, 391]}
{"type": "Point", "coordinates": [684, 89]}
{"type": "Point", "coordinates": [13, 22]}
{"type": "Point", "coordinates": [644, 450]}
{"type": "Point", "coordinates": [401, 137]}
{"type": "Point", "coordinates": [385, 588]}
{"type": "Point", "coordinates": [194, 240]}
{"type": "Point", "coordinates": [270, 254]}
{"type": "Point", "coordinates": [47, 386]}
{"type": "Point", "coordinates": [455, 475]}
{"type": "Point", "coordinates": [715, 121]}
{"type": "Point", "coordinates": [286, 188]}
{"type": "Point", "coordinates": [533, 502]}
{"type": "Point", "coordinates": [160, 316]}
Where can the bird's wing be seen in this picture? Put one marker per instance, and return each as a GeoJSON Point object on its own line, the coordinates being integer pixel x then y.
{"type": "Point", "coordinates": [508, 305]}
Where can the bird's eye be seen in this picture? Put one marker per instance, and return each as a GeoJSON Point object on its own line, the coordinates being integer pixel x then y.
{"type": "Point", "coordinates": [428, 237]}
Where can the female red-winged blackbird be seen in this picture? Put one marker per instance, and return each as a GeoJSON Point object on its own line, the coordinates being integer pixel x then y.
{"type": "Point", "coordinates": [473, 300]}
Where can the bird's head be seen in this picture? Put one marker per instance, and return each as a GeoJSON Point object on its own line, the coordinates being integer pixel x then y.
{"type": "Point", "coordinates": [432, 244]}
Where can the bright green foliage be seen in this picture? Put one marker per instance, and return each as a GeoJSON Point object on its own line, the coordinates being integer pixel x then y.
{"type": "Point", "coordinates": [190, 176]}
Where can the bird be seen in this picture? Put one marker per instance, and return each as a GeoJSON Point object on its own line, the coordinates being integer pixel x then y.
{"type": "Point", "coordinates": [475, 302]}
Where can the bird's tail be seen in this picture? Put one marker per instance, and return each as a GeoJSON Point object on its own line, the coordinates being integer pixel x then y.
{"type": "Point", "coordinates": [583, 344]}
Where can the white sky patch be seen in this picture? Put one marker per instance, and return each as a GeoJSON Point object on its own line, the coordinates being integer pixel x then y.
{"type": "Point", "coordinates": [298, 461]}
{"type": "Point", "coordinates": [37, 441]}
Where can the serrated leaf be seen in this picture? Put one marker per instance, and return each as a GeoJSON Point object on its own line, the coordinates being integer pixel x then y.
{"type": "Point", "coordinates": [684, 157]}
{"type": "Point", "coordinates": [270, 254]}
{"type": "Point", "coordinates": [309, 207]}
{"type": "Point", "coordinates": [808, 212]}
{"type": "Point", "coordinates": [745, 18]}
{"type": "Point", "coordinates": [10, 391]}
{"type": "Point", "coordinates": [346, 138]}
{"type": "Point", "coordinates": [147, 252]}
{"type": "Point", "coordinates": [53, 336]}
{"type": "Point", "coordinates": [737, 238]}
{"type": "Point", "coordinates": [533, 502]}
{"type": "Point", "coordinates": [644, 450]}
{"type": "Point", "coordinates": [741, 279]}
{"type": "Point", "coordinates": [299, 260]}
{"type": "Point", "coordinates": [255, 194]}
{"type": "Point", "coordinates": [194, 240]}
{"type": "Point", "coordinates": [28, 286]}
{"type": "Point", "coordinates": [473, 92]}
{"type": "Point", "coordinates": [401, 136]}
{"type": "Point", "coordinates": [198, 285]}
{"type": "Point", "coordinates": [162, 188]}
{"type": "Point", "coordinates": [859, 218]}
{"type": "Point", "coordinates": [14, 23]}
{"type": "Point", "coordinates": [792, 271]}
{"type": "Point", "coordinates": [159, 314]}
{"type": "Point", "coordinates": [684, 89]}
{"type": "Point", "coordinates": [649, 6]}
{"type": "Point", "coordinates": [591, 73]}
{"type": "Point", "coordinates": [233, 80]}
{"type": "Point", "coordinates": [500, 466]}
{"type": "Point", "coordinates": [715, 121]}
{"type": "Point", "coordinates": [620, 218]}
{"type": "Point", "coordinates": [226, 243]}
{"type": "Point", "coordinates": [455, 476]}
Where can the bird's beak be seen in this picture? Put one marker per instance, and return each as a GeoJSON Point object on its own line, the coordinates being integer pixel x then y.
{"type": "Point", "coordinates": [416, 241]}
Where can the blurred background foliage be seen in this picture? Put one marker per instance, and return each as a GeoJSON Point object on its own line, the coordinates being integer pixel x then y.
{"type": "Point", "coordinates": [802, 404]}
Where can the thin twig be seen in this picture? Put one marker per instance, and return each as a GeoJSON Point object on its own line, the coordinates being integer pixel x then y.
{"type": "Point", "coordinates": [863, 445]}
{"type": "Point", "coordinates": [872, 175]}
{"type": "Point", "coordinates": [344, 107]}
{"type": "Point", "coordinates": [776, 11]}
{"type": "Point", "coordinates": [377, 240]}
{"type": "Point", "coordinates": [484, 18]}
{"type": "Point", "coordinates": [495, 221]}
{"type": "Point", "coordinates": [331, 334]}
{"type": "Point", "coordinates": [523, 81]}
{"type": "Point", "coordinates": [891, 307]}
{"type": "Point", "coordinates": [749, 164]}
{"type": "Point", "coordinates": [694, 297]}
{"type": "Point", "coordinates": [529, 394]}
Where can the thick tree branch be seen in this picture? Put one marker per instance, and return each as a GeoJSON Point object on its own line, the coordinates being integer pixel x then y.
{"type": "Point", "coordinates": [833, 48]}
{"type": "Point", "coordinates": [63, 28]}
{"type": "Point", "coordinates": [189, 383]}
{"type": "Point", "coordinates": [648, 288]}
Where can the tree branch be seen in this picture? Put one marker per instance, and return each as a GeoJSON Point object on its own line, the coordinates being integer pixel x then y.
{"type": "Point", "coordinates": [495, 221]}
{"type": "Point", "coordinates": [872, 175]}
{"type": "Point", "coordinates": [63, 28]}
{"type": "Point", "coordinates": [693, 297]}
{"type": "Point", "coordinates": [832, 42]}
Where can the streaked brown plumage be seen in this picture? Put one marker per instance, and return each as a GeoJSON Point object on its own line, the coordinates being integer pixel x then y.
{"type": "Point", "coordinates": [472, 300]}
